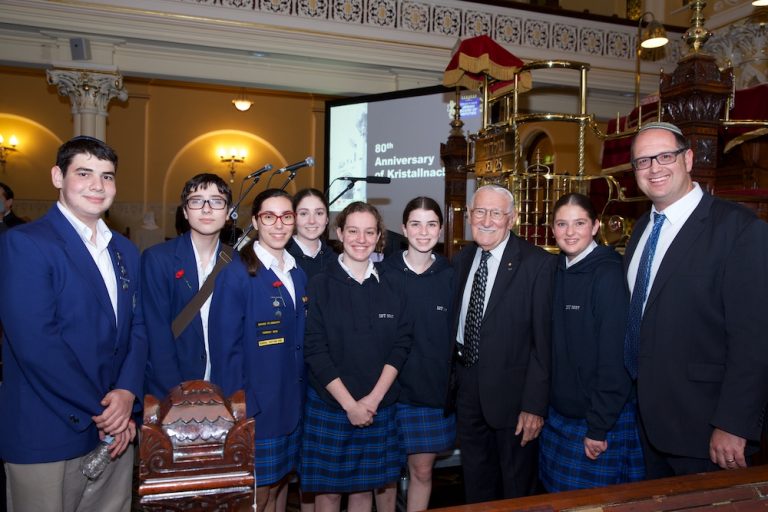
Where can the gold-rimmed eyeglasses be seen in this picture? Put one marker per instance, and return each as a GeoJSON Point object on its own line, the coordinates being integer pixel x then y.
{"type": "Point", "coordinates": [480, 213]}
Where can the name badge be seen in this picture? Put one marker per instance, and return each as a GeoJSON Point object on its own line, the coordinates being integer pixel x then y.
{"type": "Point", "coordinates": [273, 341]}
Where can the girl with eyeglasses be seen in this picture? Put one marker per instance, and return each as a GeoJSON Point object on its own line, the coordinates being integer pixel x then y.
{"type": "Point", "coordinates": [358, 337]}
{"type": "Point", "coordinates": [590, 438]}
{"type": "Point", "coordinates": [257, 332]}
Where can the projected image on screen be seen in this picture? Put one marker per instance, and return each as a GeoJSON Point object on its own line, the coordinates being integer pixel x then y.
{"type": "Point", "coordinates": [392, 138]}
{"type": "Point", "coordinates": [349, 151]}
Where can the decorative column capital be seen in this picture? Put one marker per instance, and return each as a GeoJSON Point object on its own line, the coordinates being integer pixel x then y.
{"type": "Point", "coordinates": [89, 92]}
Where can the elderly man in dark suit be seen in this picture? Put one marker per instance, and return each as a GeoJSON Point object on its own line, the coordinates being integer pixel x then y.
{"type": "Point", "coordinates": [502, 299]}
{"type": "Point", "coordinates": [697, 333]}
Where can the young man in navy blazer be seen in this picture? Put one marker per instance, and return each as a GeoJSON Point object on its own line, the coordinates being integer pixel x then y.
{"type": "Point", "coordinates": [172, 273]}
{"type": "Point", "coordinates": [74, 348]}
{"type": "Point", "coordinates": [701, 358]}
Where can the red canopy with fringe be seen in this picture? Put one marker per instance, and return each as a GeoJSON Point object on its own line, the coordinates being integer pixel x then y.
{"type": "Point", "coordinates": [481, 55]}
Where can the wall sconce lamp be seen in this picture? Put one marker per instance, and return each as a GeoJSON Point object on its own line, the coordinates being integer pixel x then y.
{"type": "Point", "coordinates": [6, 149]}
{"type": "Point", "coordinates": [653, 36]}
{"type": "Point", "coordinates": [232, 157]}
{"type": "Point", "coordinates": [242, 102]}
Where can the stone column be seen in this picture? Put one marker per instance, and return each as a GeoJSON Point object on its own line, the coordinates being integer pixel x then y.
{"type": "Point", "coordinates": [90, 93]}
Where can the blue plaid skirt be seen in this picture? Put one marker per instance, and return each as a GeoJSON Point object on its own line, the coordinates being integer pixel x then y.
{"type": "Point", "coordinates": [425, 429]}
{"type": "Point", "coordinates": [563, 465]}
{"type": "Point", "coordinates": [337, 457]}
{"type": "Point", "coordinates": [276, 457]}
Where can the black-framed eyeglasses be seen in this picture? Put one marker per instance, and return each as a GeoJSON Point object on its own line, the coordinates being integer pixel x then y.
{"type": "Point", "coordinates": [269, 218]}
{"type": "Point", "coordinates": [216, 203]}
{"type": "Point", "coordinates": [666, 158]}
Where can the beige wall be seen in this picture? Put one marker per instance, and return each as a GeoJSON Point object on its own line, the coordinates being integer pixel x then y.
{"type": "Point", "coordinates": [167, 131]}
{"type": "Point", "coordinates": [164, 133]}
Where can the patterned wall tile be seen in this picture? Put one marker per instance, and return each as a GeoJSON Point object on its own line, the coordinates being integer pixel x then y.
{"type": "Point", "coordinates": [350, 11]}
{"type": "Point", "coordinates": [312, 8]}
{"type": "Point", "coordinates": [618, 44]}
{"type": "Point", "coordinates": [382, 13]}
{"type": "Point", "coordinates": [276, 6]}
{"type": "Point", "coordinates": [521, 29]}
{"type": "Point", "coordinates": [564, 37]}
{"type": "Point", "coordinates": [239, 4]}
{"type": "Point", "coordinates": [414, 16]}
{"type": "Point", "coordinates": [477, 24]}
{"type": "Point", "coordinates": [507, 29]}
{"type": "Point", "coordinates": [536, 33]}
{"type": "Point", "coordinates": [591, 41]}
{"type": "Point", "coordinates": [446, 20]}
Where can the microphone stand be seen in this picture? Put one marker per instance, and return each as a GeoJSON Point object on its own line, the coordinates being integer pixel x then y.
{"type": "Point", "coordinates": [243, 237]}
{"type": "Point", "coordinates": [290, 178]}
{"type": "Point", "coordinates": [233, 212]}
{"type": "Point", "coordinates": [350, 184]}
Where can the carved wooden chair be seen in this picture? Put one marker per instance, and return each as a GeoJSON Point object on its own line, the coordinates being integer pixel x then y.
{"type": "Point", "coordinates": [196, 451]}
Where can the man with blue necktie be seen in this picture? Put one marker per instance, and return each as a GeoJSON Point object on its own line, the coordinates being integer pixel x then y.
{"type": "Point", "coordinates": [74, 348]}
{"type": "Point", "coordinates": [696, 341]}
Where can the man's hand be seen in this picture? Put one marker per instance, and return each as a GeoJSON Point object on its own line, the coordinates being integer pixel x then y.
{"type": "Point", "coordinates": [122, 440]}
{"type": "Point", "coordinates": [593, 449]}
{"type": "Point", "coordinates": [530, 425]}
{"type": "Point", "coordinates": [114, 419]}
{"type": "Point", "coordinates": [727, 450]}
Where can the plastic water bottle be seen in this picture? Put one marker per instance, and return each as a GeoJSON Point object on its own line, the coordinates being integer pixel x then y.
{"type": "Point", "coordinates": [96, 462]}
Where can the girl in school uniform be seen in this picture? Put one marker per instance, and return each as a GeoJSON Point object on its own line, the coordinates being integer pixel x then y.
{"type": "Point", "coordinates": [424, 429]}
{"type": "Point", "coordinates": [257, 331]}
{"type": "Point", "coordinates": [590, 438]}
{"type": "Point", "coordinates": [358, 337]}
{"type": "Point", "coordinates": [307, 246]}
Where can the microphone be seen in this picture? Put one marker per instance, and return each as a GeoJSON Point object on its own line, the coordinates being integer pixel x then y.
{"type": "Point", "coordinates": [367, 179]}
{"type": "Point", "coordinates": [308, 162]}
{"type": "Point", "coordinates": [261, 171]}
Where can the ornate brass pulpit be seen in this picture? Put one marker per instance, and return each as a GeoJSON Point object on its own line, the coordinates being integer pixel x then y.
{"type": "Point", "coordinates": [196, 451]}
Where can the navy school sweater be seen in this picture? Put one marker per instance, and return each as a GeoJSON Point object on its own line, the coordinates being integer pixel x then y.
{"type": "Point", "coordinates": [424, 377]}
{"type": "Point", "coordinates": [589, 316]}
{"type": "Point", "coordinates": [354, 329]}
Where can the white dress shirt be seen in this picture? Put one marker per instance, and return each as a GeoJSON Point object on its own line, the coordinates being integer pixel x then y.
{"type": "Point", "coordinates": [493, 268]}
{"type": "Point", "coordinates": [205, 309]}
{"type": "Point", "coordinates": [284, 273]}
{"type": "Point", "coordinates": [99, 251]}
{"type": "Point", "coordinates": [676, 215]}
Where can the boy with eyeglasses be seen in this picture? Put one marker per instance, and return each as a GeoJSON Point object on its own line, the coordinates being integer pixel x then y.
{"type": "Point", "coordinates": [177, 287]}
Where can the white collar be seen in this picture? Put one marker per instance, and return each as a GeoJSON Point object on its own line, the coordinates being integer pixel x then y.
{"type": "Point", "coordinates": [369, 271]}
{"type": "Point", "coordinates": [103, 233]}
{"type": "Point", "coordinates": [270, 262]}
{"type": "Point", "coordinates": [681, 209]}
{"type": "Point", "coordinates": [581, 256]}
{"type": "Point", "coordinates": [306, 250]}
